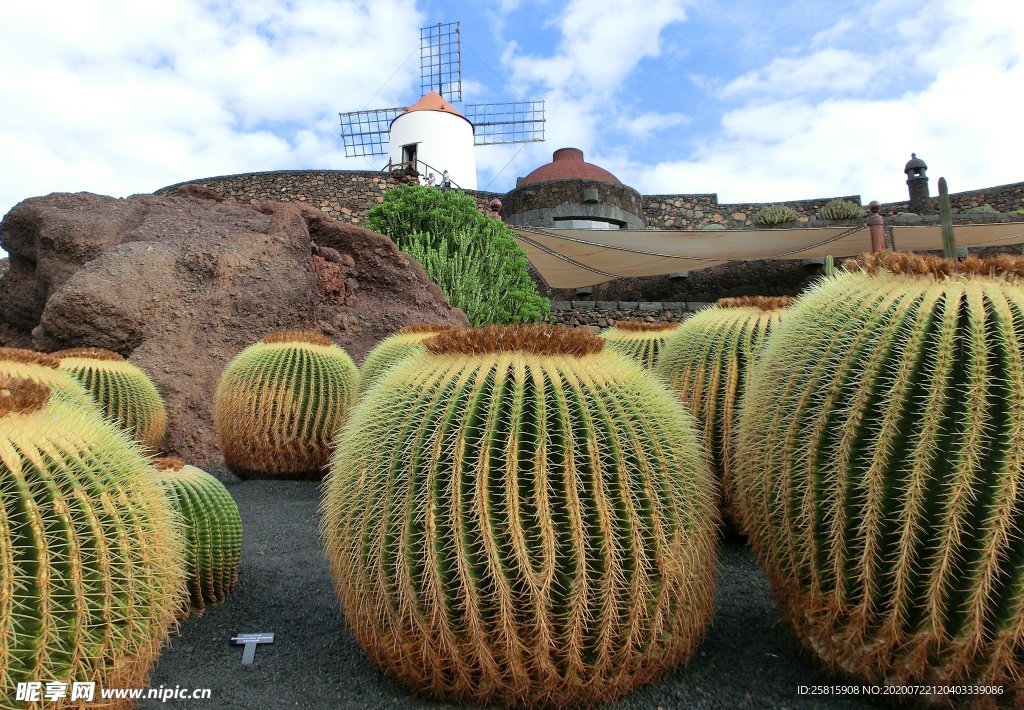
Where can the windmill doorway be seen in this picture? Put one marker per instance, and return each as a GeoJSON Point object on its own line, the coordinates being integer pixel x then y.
{"type": "Point", "coordinates": [409, 155]}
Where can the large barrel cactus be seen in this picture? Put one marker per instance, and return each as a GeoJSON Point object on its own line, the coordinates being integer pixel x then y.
{"type": "Point", "coordinates": [880, 461]}
{"type": "Point", "coordinates": [393, 349]}
{"type": "Point", "coordinates": [211, 530]}
{"type": "Point", "coordinates": [90, 558]}
{"type": "Point", "coordinates": [279, 403]}
{"type": "Point", "coordinates": [639, 340]}
{"type": "Point", "coordinates": [125, 393]}
{"type": "Point", "coordinates": [705, 362]}
{"type": "Point", "coordinates": [521, 516]}
{"type": "Point", "coordinates": [45, 369]}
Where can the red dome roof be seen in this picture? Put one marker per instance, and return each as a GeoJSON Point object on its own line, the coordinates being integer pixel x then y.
{"type": "Point", "coordinates": [567, 164]}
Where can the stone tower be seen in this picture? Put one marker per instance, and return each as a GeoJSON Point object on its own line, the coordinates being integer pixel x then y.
{"type": "Point", "coordinates": [917, 184]}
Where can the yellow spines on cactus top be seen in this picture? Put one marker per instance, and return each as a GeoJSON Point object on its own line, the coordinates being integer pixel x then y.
{"type": "Point", "coordinates": [527, 510]}
{"type": "Point", "coordinates": [212, 531]}
{"type": "Point", "coordinates": [639, 340]}
{"type": "Point", "coordinates": [125, 393]}
{"type": "Point", "coordinates": [394, 349]}
{"type": "Point", "coordinates": [880, 459]}
{"type": "Point", "coordinates": [45, 369]}
{"type": "Point", "coordinates": [90, 556]}
{"type": "Point", "coordinates": [279, 403]}
{"type": "Point", "coordinates": [705, 363]}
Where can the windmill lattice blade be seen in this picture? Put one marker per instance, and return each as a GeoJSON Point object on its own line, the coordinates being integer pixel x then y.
{"type": "Point", "coordinates": [366, 132]}
{"type": "Point", "coordinates": [441, 60]}
{"type": "Point", "coordinates": [514, 122]}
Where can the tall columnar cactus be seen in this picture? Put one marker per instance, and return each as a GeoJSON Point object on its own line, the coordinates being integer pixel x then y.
{"type": "Point", "coordinates": [45, 369]}
{"type": "Point", "coordinates": [880, 459]}
{"type": "Point", "coordinates": [946, 217]}
{"type": "Point", "coordinates": [125, 393]}
{"type": "Point", "coordinates": [394, 349]}
{"type": "Point", "coordinates": [520, 516]}
{"type": "Point", "coordinates": [706, 363]}
{"type": "Point", "coordinates": [639, 340]}
{"type": "Point", "coordinates": [90, 557]}
{"type": "Point", "coordinates": [211, 529]}
{"type": "Point", "coordinates": [279, 403]}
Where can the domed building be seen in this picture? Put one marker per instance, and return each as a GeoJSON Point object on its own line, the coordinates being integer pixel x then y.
{"type": "Point", "coordinates": [569, 192]}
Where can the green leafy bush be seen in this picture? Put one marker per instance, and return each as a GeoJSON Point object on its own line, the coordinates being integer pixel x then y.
{"type": "Point", "coordinates": [473, 258]}
{"type": "Point", "coordinates": [775, 214]}
{"type": "Point", "coordinates": [713, 227]}
{"type": "Point", "coordinates": [981, 209]}
{"type": "Point", "coordinates": [841, 209]}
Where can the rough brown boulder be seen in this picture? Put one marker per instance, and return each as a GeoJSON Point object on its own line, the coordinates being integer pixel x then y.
{"type": "Point", "coordinates": [179, 284]}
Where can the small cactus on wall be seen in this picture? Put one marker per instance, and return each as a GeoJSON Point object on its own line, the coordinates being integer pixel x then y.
{"type": "Point", "coordinates": [279, 402]}
{"type": "Point", "coordinates": [91, 571]}
{"type": "Point", "coordinates": [841, 209]}
{"type": "Point", "coordinates": [125, 393]}
{"type": "Point", "coordinates": [211, 529]}
{"type": "Point", "coordinates": [880, 457]}
{"type": "Point", "coordinates": [705, 363]}
{"type": "Point", "coordinates": [775, 214]}
{"type": "Point", "coordinates": [528, 511]}
{"type": "Point", "coordinates": [639, 340]}
{"type": "Point", "coordinates": [394, 349]}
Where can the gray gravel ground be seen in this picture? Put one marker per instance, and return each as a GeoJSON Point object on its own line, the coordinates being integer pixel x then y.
{"type": "Point", "coordinates": [748, 659]}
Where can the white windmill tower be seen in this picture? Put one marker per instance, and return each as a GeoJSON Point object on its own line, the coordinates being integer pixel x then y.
{"type": "Point", "coordinates": [431, 136]}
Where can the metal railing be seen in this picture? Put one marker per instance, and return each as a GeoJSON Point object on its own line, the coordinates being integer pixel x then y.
{"type": "Point", "coordinates": [413, 167]}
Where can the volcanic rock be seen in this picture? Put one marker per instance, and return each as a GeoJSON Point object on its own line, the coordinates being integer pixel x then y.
{"type": "Point", "coordinates": [180, 283]}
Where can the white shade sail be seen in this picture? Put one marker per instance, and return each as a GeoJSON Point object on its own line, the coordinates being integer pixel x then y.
{"type": "Point", "coordinates": [573, 258]}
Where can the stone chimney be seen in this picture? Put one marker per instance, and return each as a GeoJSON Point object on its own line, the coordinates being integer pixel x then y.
{"type": "Point", "coordinates": [917, 185]}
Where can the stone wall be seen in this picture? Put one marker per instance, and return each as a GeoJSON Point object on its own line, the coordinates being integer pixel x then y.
{"type": "Point", "coordinates": [601, 314]}
{"type": "Point", "coordinates": [698, 211]}
{"type": "Point", "coordinates": [1003, 198]}
{"type": "Point", "coordinates": [345, 195]}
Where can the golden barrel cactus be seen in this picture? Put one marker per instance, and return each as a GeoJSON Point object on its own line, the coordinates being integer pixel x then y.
{"type": "Point", "coordinates": [211, 529]}
{"type": "Point", "coordinates": [705, 363]}
{"type": "Point", "coordinates": [639, 340]}
{"type": "Point", "coordinates": [880, 462]}
{"type": "Point", "coordinates": [90, 558]}
{"type": "Point", "coordinates": [125, 393]}
{"type": "Point", "coordinates": [395, 348]}
{"type": "Point", "coordinates": [279, 403]}
{"type": "Point", "coordinates": [45, 369]}
{"type": "Point", "coordinates": [521, 516]}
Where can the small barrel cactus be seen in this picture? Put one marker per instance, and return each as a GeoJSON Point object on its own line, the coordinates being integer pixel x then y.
{"type": "Point", "coordinates": [125, 393]}
{"type": "Point", "coordinates": [279, 403]}
{"type": "Point", "coordinates": [211, 529]}
{"type": "Point", "coordinates": [394, 349]}
{"type": "Point", "coordinates": [91, 573]}
{"type": "Point", "coordinates": [45, 369]}
{"type": "Point", "coordinates": [521, 516]}
{"type": "Point", "coordinates": [879, 467]}
{"type": "Point", "coordinates": [639, 340]}
{"type": "Point", "coordinates": [705, 363]}
{"type": "Point", "coordinates": [713, 227]}
{"type": "Point", "coordinates": [775, 214]}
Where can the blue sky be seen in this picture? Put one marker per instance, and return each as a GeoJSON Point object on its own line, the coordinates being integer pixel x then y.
{"type": "Point", "coordinates": [754, 100]}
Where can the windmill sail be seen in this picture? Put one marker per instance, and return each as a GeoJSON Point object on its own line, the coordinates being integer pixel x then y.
{"type": "Point", "coordinates": [513, 122]}
{"type": "Point", "coordinates": [441, 61]}
{"type": "Point", "coordinates": [366, 132]}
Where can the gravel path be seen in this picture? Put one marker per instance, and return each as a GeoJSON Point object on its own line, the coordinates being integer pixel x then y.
{"type": "Point", "coordinates": [748, 659]}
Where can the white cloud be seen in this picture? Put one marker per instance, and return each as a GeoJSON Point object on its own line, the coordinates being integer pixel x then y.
{"type": "Point", "coordinates": [644, 124]}
{"type": "Point", "coordinates": [121, 97]}
{"type": "Point", "coordinates": [828, 70]}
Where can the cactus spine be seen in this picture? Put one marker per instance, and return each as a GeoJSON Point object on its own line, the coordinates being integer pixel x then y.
{"type": "Point", "coordinates": [706, 362]}
{"type": "Point", "coordinates": [520, 516]}
{"type": "Point", "coordinates": [211, 529]}
{"type": "Point", "coordinates": [639, 340]}
{"type": "Point", "coordinates": [280, 401]}
{"type": "Point", "coordinates": [125, 393]}
{"type": "Point", "coordinates": [90, 560]}
{"type": "Point", "coordinates": [392, 350]}
{"type": "Point", "coordinates": [45, 369]}
{"type": "Point", "coordinates": [881, 449]}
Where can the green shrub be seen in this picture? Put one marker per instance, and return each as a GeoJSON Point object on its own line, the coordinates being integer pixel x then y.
{"type": "Point", "coordinates": [841, 209]}
{"type": "Point", "coordinates": [775, 214]}
{"type": "Point", "coordinates": [473, 258]}
{"type": "Point", "coordinates": [981, 209]}
{"type": "Point", "coordinates": [713, 227]}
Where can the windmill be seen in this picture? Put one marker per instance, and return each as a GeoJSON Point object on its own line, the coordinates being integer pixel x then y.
{"type": "Point", "coordinates": [431, 136]}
